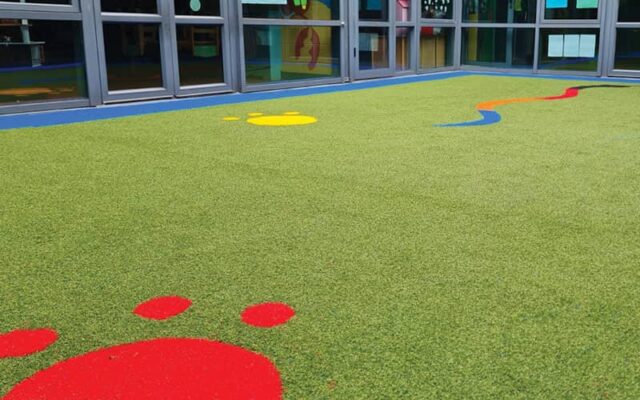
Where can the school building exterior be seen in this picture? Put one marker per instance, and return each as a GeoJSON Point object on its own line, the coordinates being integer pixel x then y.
{"type": "Point", "coordinates": [78, 53]}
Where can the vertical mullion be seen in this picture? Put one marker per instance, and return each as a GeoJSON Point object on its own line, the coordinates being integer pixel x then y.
{"type": "Point", "coordinates": [457, 37]}
{"type": "Point", "coordinates": [91, 57]}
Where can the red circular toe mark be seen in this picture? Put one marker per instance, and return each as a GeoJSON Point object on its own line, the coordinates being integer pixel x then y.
{"type": "Point", "coordinates": [160, 308]}
{"type": "Point", "coordinates": [23, 342]}
{"type": "Point", "coordinates": [267, 315]}
{"type": "Point", "coordinates": [169, 368]}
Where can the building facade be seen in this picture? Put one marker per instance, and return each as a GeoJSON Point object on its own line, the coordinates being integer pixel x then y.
{"type": "Point", "coordinates": [76, 53]}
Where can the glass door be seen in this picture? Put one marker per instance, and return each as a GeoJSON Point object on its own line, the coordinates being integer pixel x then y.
{"type": "Point", "coordinates": [373, 42]}
{"type": "Point", "coordinates": [201, 57]}
{"type": "Point", "coordinates": [161, 48]}
{"type": "Point", "coordinates": [625, 47]}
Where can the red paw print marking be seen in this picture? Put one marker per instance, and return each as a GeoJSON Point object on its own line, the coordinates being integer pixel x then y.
{"type": "Point", "coordinates": [164, 368]}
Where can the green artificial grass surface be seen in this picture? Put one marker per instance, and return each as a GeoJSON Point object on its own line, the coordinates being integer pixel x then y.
{"type": "Point", "coordinates": [497, 262]}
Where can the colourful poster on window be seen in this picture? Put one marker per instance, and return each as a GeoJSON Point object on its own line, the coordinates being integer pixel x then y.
{"type": "Point", "coordinates": [588, 46]}
{"type": "Point", "coordinates": [556, 46]}
{"type": "Point", "coordinates": [279, 2]}
{"type": "Point", "coordinates": [587, 4]}
{"type": "Point", "coordinates": [572, 45]}
{"type": "Point", "coordinates": [557, 3]}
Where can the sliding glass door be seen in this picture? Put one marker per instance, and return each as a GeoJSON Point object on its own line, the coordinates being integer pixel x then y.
{"type": "Point", "coordinates": [160, 48]}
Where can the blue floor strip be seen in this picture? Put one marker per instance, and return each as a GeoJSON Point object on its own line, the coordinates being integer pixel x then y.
{"type": "Point", "coordinates": [60, 117]}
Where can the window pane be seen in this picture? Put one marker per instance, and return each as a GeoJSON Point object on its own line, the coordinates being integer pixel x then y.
{"type": "Point", "coordinates": [373, 10]}
{"type": "Point", "coordinates": [438, 9]}
{"type": "Point", "coordinates": [197, 7]}
{"type": "Point", "coordinates": [629, 11]}
{"type": "Point", "coordinates": [403, 10]}
{"type": "Point", "coordinates": [498, 47]}
{"type": "Point", "coordinates": [512, 11]}
{"type": "Point", "coordinates": [569, 49]}
{"type": "Point", "coordinates": [403, 48]}
{"type": "Point", "coordinates": [40, 1]}
{"type": "Point", "coordinates": [373, 48]}
{"type": "Point", "coordinates": [436, 47]}
{"type": "Point", "coordinates": [200, 54]}
{"type": "Point", "coordinates": [41, 60]}
{"type": "Point", "coordinates": [285, 53]}
{"type": "Point", "coordinates": [133, 56]}
{"type": "Point", "coordinates": [295, 9]}
{"type": "Point", "coordinates": [628, 49]}
{"type": "Point", "coordinates": [130, 6]}
{"type": "Point", "coordinates": [571, 9]}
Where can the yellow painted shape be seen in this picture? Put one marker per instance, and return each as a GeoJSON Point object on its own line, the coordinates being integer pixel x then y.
{"type": "Point", "coordinates": [282, 120]}
{"type": "Point", "coordinates": [491, 105]}
{"type": "Point", "coordinates": [255, 114]}
{"type": "Point", "coordinates": [231, 118]}
{"type": "Point", "coordinates": [292, 113]}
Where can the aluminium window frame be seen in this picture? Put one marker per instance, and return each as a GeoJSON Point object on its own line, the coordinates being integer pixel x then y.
{"type": "Point", "coordinates": [59, 13]}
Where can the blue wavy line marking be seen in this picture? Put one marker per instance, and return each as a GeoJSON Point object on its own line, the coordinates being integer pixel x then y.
{"type": "Point", "coordinates": [488, 118]}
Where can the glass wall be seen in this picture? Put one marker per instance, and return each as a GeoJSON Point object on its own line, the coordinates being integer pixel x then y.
{"type": "Point", "coordinates": [403, 48]}
{"type": "Point", "coordinates": [629, 11]}
{"type": "Point", "coordinates": [498, 47]}
{"type": "Point", "coordinates": [436, 47]}
{"type": "Point", "coordinates": [499, 11]}
{"type": "Point", "coordinates": [132, 54]}
{"type": "Point", "coordinates": [437, 9]}
{"type": "Point", "coordinates": [320, 10]}
{"type": "Point", "coordinates": [66, 2]}
{"type": "Point", "coordinates": [200, 59]}
{"type": "Point", "coordinates": [628, 49]}
{"type": "Point", "coordinates": [276, 53]}
{"type": "Point", "coordinates": [571, 9]}
{"type": "Point", "coordinates": [130, 6]}
{"type": "Point", "coordinates": [569, 49]}
{"type": "Point", "coordinates": [197, 7]}
{"type": "Point", "coordinates": [41, 60]}
{"type": "Point", "coordinates": [627, 52]}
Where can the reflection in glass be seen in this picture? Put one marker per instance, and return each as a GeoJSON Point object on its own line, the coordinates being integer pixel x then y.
{"type": "Point", "coordinates": [569, 49]}
{"type": "Point", "coordinates": [285, 53]}
{"type": "Point", "coordinates": [629, 11]}
{"type": "Point", "coordinates": [373, 48]}
{"type": "Point", "coordinates": [511, 11]}
{"type": "Point", "coordinates": [403, 48]}
{"type": "Point", "coordinates": [498, 47]}
{"type": "Point", "coordinates": [199, 54]}
{"type": "Point", "coordinates": [130, 6]}
{"type": "Point", "coordinates": [403, 10]}
{"type": "Point", "coordinates": [41, 60]}
{"type": "Point", "coordinates": [300, 9]}
{"type": "Point", "coordinates": [133, 56]}
{"type": "Point", "coordinates": [574, 9]}
{"type": "Point", "coordinates": [40, 1]}
{"type": "Point", "coordinates": [437, 9]}
{"type": "Point", "coordinates": [373, 10]}
{"type": "Point", "coordinates": [436, 47]}
{"type": "Point", "coordinates": [197, 7]}
{"type": "Point", "coordinates": [628, 49]}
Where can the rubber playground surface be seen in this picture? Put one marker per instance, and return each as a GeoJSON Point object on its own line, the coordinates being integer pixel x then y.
{"type": "Point", "coordinates": [474, 237]}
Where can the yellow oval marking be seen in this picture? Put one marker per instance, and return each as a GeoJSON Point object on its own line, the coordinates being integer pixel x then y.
{"type": "Point", "coordinates": [255, 114]}
{"type": "Point", "coordinates": [282, 120]}
{"type": "Point", "coordinates": [231, 118]}
{"type": "Point", "coordinates": [292, 113]}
